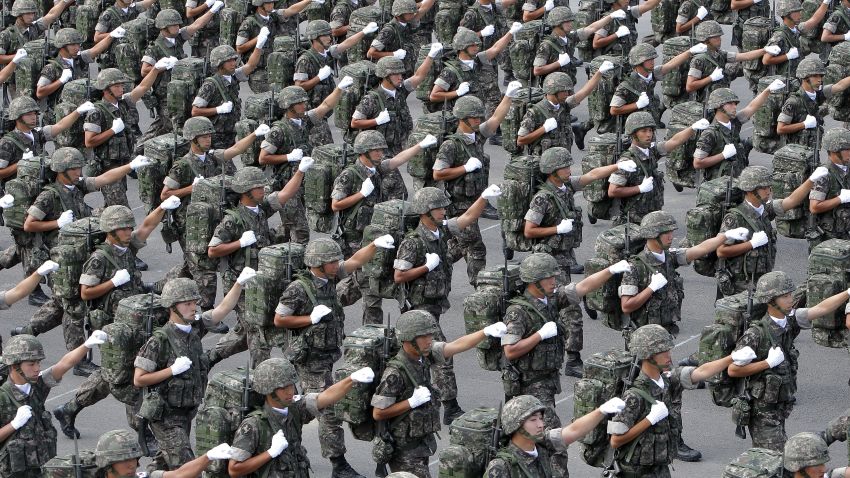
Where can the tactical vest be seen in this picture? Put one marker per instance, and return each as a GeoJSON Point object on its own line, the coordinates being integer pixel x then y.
{"type": "Point", "coordinates": [247, 256]}
{"type": "Point", "coordinates": [565, 208]}
{"type": "Point", "coordinates": [108, 303]}
{"type": "Point", "coordinates": [225, 91]}
{"type": "Point", "coordinates": [65, 199]}
{"type": "Point", "coordinates": [420, 423]}
{"type": "Point", "coordinates": [657, 445]}
{"type": "Point", "coordinates": [185, 390]}
{"type": "Point", "coordinates": [318, 346]}
{"type": "Point", "coordinates": [632, 86]}
{"type": "Point", "coordinates": [548, 355]}
{"type": "Point", "coordinates": [758, 261]}
{"type": "Point", "coordinates": [325, 87]}
{"type": "Point", "coordinates": [620, 46]}
{"type": "Point", "coordinates": [296, 137]}
{"type": "Point", "coordinates": [355, 219]}
{"type": "Point", "coordinates": [642, 204]}
{"type": "Point", "coordinates": [488, 17]}
{"type": "Point", "coordinates": [560, 136]}
{"type": "Point", "coordinates": [400, 124]}
{"type": "Point", "coordinates": [724, 136]}
{"type": "Point", "coordinates": [119, 148]}
{"type": "Point", "coordinates": [293, 462]}
{"type": "Point", "coordinates": [791, 40]}
{"type": "Point", "coordinates": [805, 106]}
{"type": "Point", "coordinates": [559, 47]}
{"type": "Point", "coordinates": [22, 146]}
{"type": "Point", "coordinates": [664, 307]}
{"type": "Point", "coordinates": [205, 169]}
{"type": "Point", "coordinates": [518, 469]}
{"type": "Point", "coordinates": [434, 285]}
{"type": "Point", "coordinates": [18, 39]}
{"type": "Point", "coordinates": [107, 59]}
{"type": "Point", "coordinates": [276, 25]}
{"type": "Point", "coordinates": [164, 50]}
{"type": "Point", "coordinates": [79, 69]}
{"type": "Point", "coordinates": [473, 77]}
{"type": "Point", "coordinates": [711, 60]}
{"type": "Point", "coordinates": [467, 188]}
{"type": "Point", "coordinates": [835, 223]}
{"type": "Point", "coordinates": [778, 384]}
{"type": "Point", "coordinates": [32, 445]}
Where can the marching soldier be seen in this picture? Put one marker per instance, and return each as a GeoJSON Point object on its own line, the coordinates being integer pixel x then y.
{"type": "Point", "coordinates": [783, 48]}
{"type": "Point", "coordinates": [26, 27]}
{"type": "Point", "coordinates": [837, 26]}
{"type": "Point", "coordinates": [691, 15]}
{"type": "Point", "coordinates": [745, 10]}
{"type": "Point", "coordinates": [112, 17]}
{"type": "Point", "coordinates": [339, 22]}
{"type": "Point", "coordinates": [806, 454]}
{"type": "Point", "coordinates": [207, 38]}
{"type": "Point", "coordinates": [829, 197]}
{"type": "Point", "coordinates": [620, 35]}
{"type": "Point", "coordinates": [397, 38]}
{"type": "Point", "coordinates": [488, 19]}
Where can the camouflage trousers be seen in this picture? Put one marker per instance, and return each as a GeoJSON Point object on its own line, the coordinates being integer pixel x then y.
{"type": "Point", "coordinates": [655, 471]}
{"type": "Point", "coordinates": [442, 375]}
{"type": "Point", "coordinates": [71, 313]}
{"type": "Point", "coordinates": [331, 434]}
{"type": "Point", "coordinates": [172, 433]}
{"type": "Point", "coordinates": [393, 185]}
{"type": "Point", "coordinates": [242, 337]}
{"type": "Point", "coordinates": [403, 461]}
{"type": "Point", "coordinates": [95, 388]}
{"type": "Point", "coordinates": [115, 194]}
{"type": "Point", "coordinates": [767, 425]}
{"type": "Point", "coordinates": [471, 244]}
{"type": "Point", "coordinates": [571, 316]}
{"type": "Point", "coordinates": [293, 223]}
{"type": "Point", "coordinates": [259, 81]}
{"type": "Point", "coordinates": [26, 251]}
{"type": "Point", "coordinates": [161, 125]}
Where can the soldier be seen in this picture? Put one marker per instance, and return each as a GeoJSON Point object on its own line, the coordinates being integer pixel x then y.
{"type": "Point", "coordinates": [265, 24]}
{"type": "Point", "coordinates": [286, 143]}
{"type": "Point", "coordinates": [837, 26]}
{"type": "Point", "coordinates": [766, 356]}
{"type": "Point", "coordinates": [207, 38]}
{"type": "Point", "coordinates": [800, 121]}
{"type": "Point", "coordinates": [405, 398]}
{"type": "Point", "coordinates": [28, 437]}
{"type": "Point", "coordinates": [423, 266]}
{"type": "Point", "coordinates": [642, 191]}
{"type": "Point", "coordinates": [487, 18]}
{"type": "Point", "coordinates": [747, 260]}
{"type": "Point", "coordinates": [806, 455]}
{"type": "Point", "coordinates": [396, 37]}
{"type": "Point", "coordinates": [339, 22]}
{"type": "Point", "coordinates": [26, 140]}
{"type": "Point", "coordinates": [26, 27]}
{"type": "Point", "coordinates": [692, 14]}
{"type": "Point", "coordinates": [113, 17]}
{"type": "Point", "coordinates": [745, 10]}
{"type": "Point", "coordinates": [623, 31]}
{"type": "Point", "coordinates": [830, 194]}
{"type": "Point", "coordinates": [309, 308]}
{"type": "Point", "coordinates": [656, 390]}
{"type": "Point", "coordinates": [783, 47]}
{"type": "Point", "coordinates": [531, 442]}
{"type": "Point", "coordinates": [218, 96]}
{"type": "Point", "coordinates": [259, 452]}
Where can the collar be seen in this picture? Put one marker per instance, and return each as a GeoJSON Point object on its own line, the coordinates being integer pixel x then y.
{"type": "Point", "coordinates": [321, 280]}
{"type": "Point", "coordinates": [531, 453]}
{"type": "Point", "coordinates": [282, 411]}
{"type": "Point", "coordinates": [554, 106]}
{"type": "Point", "coordinates": [170, 41]}
{"type": "Point", "coordinates": [659, 382]}
{"type": "Point", "coordinates": [254, 209]}
{"type": "Point", "coordinates": [390, 93]}
{"type": "Point", "coordinates": [759, 210]}
{"type": "Point", "coordinates": [812, 96]}
{"type": "Point", "coordinates": [120, 249]}
{"type": "Point", "coordinates": [841, 167]}
{"type": "Point", "coordinates": [470, 136]}
{"type": "Point", "coordinates": [467, 64]}
{"type": "Point", "coordinates": [68, 61]}
{"type": "Point", "coordinates": [543, 299]}
{"type": "Point", "coordinates": [25, 388]}
{"type": "Point", "coordinates": [265, 18]}
{"type": "Point", "coordinates": [229, 78]}
{"type": "Point", "coordinates": [645, 151]}
{"type": "Point", "coordinates": [296, 121]}
{"type": "Point", "coordinates": [487, 6]}
{"type": "Point", "coordinates": [183, 328]}
{"type": "Point", "coordinates": [70, 187]}
{"type": "Point", "coordinates": [783, 322]}
{"type": "Point", "coordinates": [662, 257]}
{"type": "Point", "coordinates": [646, 79]}
{"type": "Point", "coordinates": [727, 125]}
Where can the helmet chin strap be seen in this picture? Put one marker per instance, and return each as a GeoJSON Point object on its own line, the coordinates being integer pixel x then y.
{"type": "Point", "coordinates": [534, 438]}
{"type": "Point", "coordinates": [17, 368]}
{"type": "Point", "coordinates": [661, 369]}
{"type": "Point", "coordinates": [540, 289]}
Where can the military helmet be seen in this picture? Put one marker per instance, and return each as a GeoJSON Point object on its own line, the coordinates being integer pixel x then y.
{"type": "Point", "coordinates": [557, 82]}
{"type": "Point", "coordinates": [464, 38]}
{"type": "Point", "coordinates": [754, 177]}
{"type": "Point", "coordinates": [810, 66]}
{"type": "Point", "coordinates": [318, 28]}
{"type": "Point", "coordinates": [167, 17]}
{"type": "Point", "coordinates": [415, 323]}
{"type": "Point", "coordinates": [468, 107]}
{"type": "Point", "coordinates": [538, 266]}
{"type": "Point", "coordinates": [517, 410]}
{"type": "Point", "coordinates": [427, 199]}
{"type": "Point", "coordinates": [369, 140]}
{"type": "Point", "coordinates": [197, 126]}
{"type": "Point", "coordinates": [554, 159]}
{"type": "Point", "coordinates": [66, 158]}
{"type": "Point", "coordinates": [21, 106]}
{"type": "Point", "coordinates": [272, 374]}
{"type": "Point", "coordinates": [400, 7]}
{"type": "Point", "coordinates": [656, 223]}
{"type": "Point", "coordinates": [108, 77]}
{"type": "Point", "coordinates": [23, 348]}
{"type": "Point", "coordinates": [772, 285]}
{"type": "Point", "coordinates": [116, 446]}
{"type": "Point", "coordinates": [221, 54]}
{"type": "Point", "coordinates": [720, 97]}
{"type": "Point", "coordinates": [179, 290]}
{"type": "Point", "coordinates": [708, 29]}
{"type": "Point", "coordinates": [292, 95]}
{"type": "Point", "coordinates": [639, 120]}
{"type": "Point", "coordinates": [67, 36]}
{"type": "Point", "coordinates": [836, 139]}
{"type": "Point", "coordinates": [388, 65]}
{"type": "Point", "coordinates": [23, 6]}
{"type": "Point", "coordinates": [804, 450]}
{"type": "Point", "coordinates": [649, 340]}
{"type": "Point", "coordinates": [401, 474]}
{"type": "Point", "coordinates": [786, 7]}
{"type": "Point", "coordinates": [116, 217]}
{"type": "Point", "coordinates": [641, 53]}
{"type": "Point", "coordinates": [559, 15]}
{"type": "Point", "coordinates": [259, 3]}
{"type": "Point", "coordinates": [322, 251]}
{"type": "Point", "coordinates": [248, 178]}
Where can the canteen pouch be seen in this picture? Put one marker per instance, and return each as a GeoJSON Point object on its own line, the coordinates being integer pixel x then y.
{"type": "Point", "coordinates": [724, 281]}
{"type": "Point", "coordinates": [511, 381]}
{"type": "Point", "coordinates": [382, 451]}
{"type": "Point", "coordinates": [98, 319]}
{"type": "Point", "coordinates": [741, 411]}
{"type": "Point", "coordinates": [772, 386]}
{"type": "Point", "coordinates": [152, 406]}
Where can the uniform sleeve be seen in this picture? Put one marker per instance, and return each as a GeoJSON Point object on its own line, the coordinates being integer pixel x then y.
{"type": "Point", "coordinates": [94, 271]}
{"type": "Point", "coordinates": [751, 339]}
{"type": "Point", "coordinates": [514, 320]}
{"type": "Point", "coordinates": [3, 304]}
{"type": "Point", "coordinates": [832, 22]}
{"type": "Point", "coordinates": [389, 389]}
{"type": "Point", "coordinates": [42, 206]}
{"type": "Point", "coordinates": [446, 80]}
{"type": "Point", "coordinates": [696, 67]}
{"type": "Point", "coordinates": [93, 121]}
{"type": "Point", "coordinates": [224, 233]}
{"type": "Point", "coordinates": [820, 189]}
{"type": "Point", "coordinates": [537, 209]}
{"type": "Point", "coordinates": [630, 284]}
{"type": "Point", "coordinates": [205, 93]}
{"type": "Point", "coordinates": [343, 186]}
{"type": "Point", "coordinates": [149, 355]}
{"type": "Point", "coordinates": [246, 440]}
{"type": "Point", "coordinates": [622, 422]}
{"type": "Point", "coordinates": [293, 301]}
{"type": "Point", "coordinates": [569, 294]}
{"type": "Point", "coordinates": [683, 376]}
{"type": "Point", "coordinates": [445, 156]}
{"type": "Point", "coordinates": [787, 113]}
{"type": "Point", "coordinates": [382, 39]}
{"type": "Point", "coordinates": [802, 316]}
{"type": "Point", "coordinates": [273, 141]}
{"type": "Point", "coordinates": [706, 143]}
{"type": "Point", "coordinates": [619, 178]}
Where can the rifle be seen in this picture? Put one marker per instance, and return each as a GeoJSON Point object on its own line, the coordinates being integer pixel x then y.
{"type": "Point", "coordinates": [207, 61]}
{"type": "Point", "coordinates": [143, 422]}
{"type": "Point", "coordinates": [496, 438]}
{"type": "Point", "coordinates": [403, 304]}
{"type": "Point", "coordinates": [741, 386]}
{"type": "Point", "coordinates": [75, 458]}
{"type": "Point", "coordinates": [289, 263]}
{"type": "Point", "coordinates": [89, 248]}
{"type": "Point", "coordinates": [169, 215]}
{"type": "Point", "coordinates": [503, 302]}
{"type": "Point", "coordinates": [271, 107]}
{"type": "Point", "coordinates": [812, 229]}
{"type": "Point", "coordinates": [245, 407]}
{"type": "Point", "coordinates": [381, 425]}
{"type": "Point", "coordinates": [723, 208]}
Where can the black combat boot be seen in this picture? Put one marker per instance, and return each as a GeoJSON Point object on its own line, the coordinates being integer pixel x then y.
{"type": "Point", "coordinates": [141, 265]}
{"type": "Point", "coordinates": [66, 415]}
{"type": "Point", "coordinates": [490, 212]}
{"type": "Point", "coordinates": [579, 132]}
{"type": "Point", "coordinates": [38, 298]}
{"type": "Point", "coordinates": [85, 367]}
{"type": "Point", "coordinates": [21, 330]}
{"type": "Point", "coordinates": [686, 453]}
{"type": "Point", "coordinates": [451, 410]}
{"type": "Point", "coordinates": [342, 469]}
{"type": "Point", "coordinates": [574, 366]}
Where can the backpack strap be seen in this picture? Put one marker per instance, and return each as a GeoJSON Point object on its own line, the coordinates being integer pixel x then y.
{"type": "Point", "coordinates": [103, 109]}
{"type": "Point", "coordinates": [515, 464]}
{"type": "Point", "coordinates": [265, 429]}
{"type": "Point", "coordinates": [743, 216]}
{"type": "Point", "coordinates": [308, 289]}
{"type": "Point", "coordinates": [527, 305]}
{"type": "Point", "coordinates": [56, 189]}
{"type": "Point", "coordinates": [11, 136]}
{"type": "Point", "coordinates": [549, 190]}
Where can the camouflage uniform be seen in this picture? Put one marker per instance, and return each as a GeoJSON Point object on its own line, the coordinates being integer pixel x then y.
{"type": "Point", "coordinates": [785, 39]}
{"type": "Point", "coordinates": [158, 49]}
{"type": "Point", "coordinates": [52, 71]}
{"type": "Point", "coordinates": [207, 37]}
{"type": "Point", "coordinates": [307, 67]}
{"type": "Point", "coordinates": [340, 17]}
{"type": "Point", "coordinates": [838, 22]}
{"type": "Point", "coordinates": [833, 224]}
{"type": "Point", "coordinates": [711, 142]}
{"type": "Point", "coordinates": [105, 261]}
{"type": "Point", "coordinates": [689, 9]}
{"type": "Point", "coordinates": [620, 46]}
{"type": "Point", "coordinates": [547, 208]}
{"type": "Point", "coordinates": [805, 450]}
{"type": "Point", "coordinates": [629, 90]}
{"type": "Point", "coordinates": [477, 17]}
{"type": "Point", "coordinates": [395, 36]}
{"type": "Point", "coordinates": [277, 24]}
{"type": "Point", "coordinates": [481, 77]}
{"type": "Point", "coordinates": [795, 109]}
{"type": "Point", "coordinates": [214, 91]}
{"type": "Point", "coordinates": [551, 46]}
{"type": "Point", "coordinates": [703, 65]}
{"type": "Point", "coordinates": [14, 37]}
{"type": "Point", "coordinates": [538, 113]}
{"type": "Point", "coordinates": [110, 19]}
{"type": "Point", "coordinates": [637, 206]}
{"type": "Point", "coordinates": [758, 261]}
{"type": "Point", "coordinates": [665, 305]}
{"type": "Point", "coordinates": [761, 9]}
{"type": "Point", "coordinates": [116, 446]}
{"type": "Point", "coordinates": [354, 220]}
{"type": "Point", "coordinates": [118, 149]}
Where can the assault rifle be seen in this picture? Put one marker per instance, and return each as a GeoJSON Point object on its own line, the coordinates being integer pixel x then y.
{"type": "Point", "coordinates": [506, 293]}
{"type": "Point", "coordinates": [741, 385]}
{"type": "Point", "coordinates": [169, 215]}
{"type": "Point", "coordinates": [75, 458]}
{"type": "Point", "coordinates": [143, 422]}
{"type": "Point", "coordinates": [381, 429]}
{"type": "Point", "coordinates": [245, 406]}
{"type": "Point", "coordinates": [495, 439]}
{"type": "Point", "coordinates": [812, 228]}
{"type": "Point", "coordinates": [723, 208]}
{"type": "Point", "coordinates": [403, 304]}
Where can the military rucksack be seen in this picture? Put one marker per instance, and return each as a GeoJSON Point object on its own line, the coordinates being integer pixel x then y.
{"type": "Point", "coordinates": [74, 93]}
{"type": "Point", "coordinates": [29, 69]}
{"type": "Point", "coordinates": [86, 16]}
{"type": "Point", "coordinates": [765, 120]}
{"type": "Point", "coordinates": [127, 335]}
{"type": "Point", "coordinates": [386, 219]}
{"type": "Point", "coordinates": [356, 23]}
{"type": "Point", "coordinates": [610, 247]}
{"type": "Point", "coordinates": [263, 107]}
{"type": "Point", "coordinates": [487, 305]}
{"type": "Point", "coordinates": [423, 91]}
{"type": "Point", "coordinates": [601, 151]}
{"type": "Point", "coordinates": [243, 128]}
{"type": "Point", "coordinates": [470, 444]}
{"type": "Point", "coordinates": [755, 34]}
{"type": "Point", "coordinates": [663, 21]}
{"type": "Point", "coordinates": [792, 164]}
{"type": "Point", "coordinates": [523, 49]}
{"type": "Point", "coordinates": [330, 161]}
{"type": "Point", "coordinates": [704, 220]}
{"type": "Point", "coordinates": [128, 51]}
{"type": "Point", "coordinates": [810, 38]}
{"type": "Point", "coordinates": [605, 375]}
{"type": "Point", "coordinates": [186, 78]}
{"type": "Point", "coordinates": [439, 124]}
{"type": "Point", "coordinates": [829, 263]}
{"type": "Point", "coordinates": [510, 125]}
{"type": "Point", "coordinates": [721, 11]}
{"type": "Point", "coordinates": [756, 463]}
{"type": "Point", "coordinates": [33, 174]}
{"type": "Point", "coordinates": [277, 266]}
{"type": "Point", "coordinates": [281, 62]}
{"type": "Point", "coordinates": [599, 100]}
{"type": "Point", "coordinates": [66, 466]}
{"type": "Point", "coordinates": [673, 83]}
{"type": "Point", "coordinates": [229, 22]}
{"type": "Point", "coordinates": [680, 161]}
{"type": "Point", "coordinates": [837, 69]}
{"type": "Point", "coordinates": [164, 150]}
{"type": "Point", "coordinates": [447, 20]}
{"type": "Point", "coordinates": [588, 12]}
{"type": "Point", "coordinates": [363, 74]}
{"type": "Point", "coordinates": [77, 241]}
{"type": "Point", "coordinates": [209, 202]}
{"type": "Point", "coordinates": [522, 180]}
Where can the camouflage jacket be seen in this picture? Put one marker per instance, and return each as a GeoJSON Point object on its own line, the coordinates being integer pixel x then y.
{"type": "Point", "coordinates": [512, 462]}
{"type": "Point", "coordinates": [160, 48]}
{"type": "Point", "coordinates": [759, 261]}
{"type": "Point", "coordinates": [235, 222]}
{"type": "Point", "coordinates": [454, 152]}
{"type": "Point", "coordinates": [308, 65]}
{"type": "Point", "coordinates": [703, 65]}
{"type": "Point", "coordinates": [839, 22]}
{"type": "Point", "coordinates": [629, 90]}
{"type": "Point", "coordinates": [835, 224]}
{"type": "Point", "coordinates": [712, 140]}
{"type": "Point", "coordinates": [537, 114]}
{"type": "Point", "coordinates": [251, 26]}
{"type": "Point", "coordinates": [104, 262]}
{"type": "Point", "coordinates": [52, 71]}
{"type": "Point", "coordinates": [434, 286]}
{"type": "Point", "coordinates": [217, 90]}
{"type": "Point", "coordinates": [183, 173]}
{"type": "Point", "coordinates": [620, 46]}
{"type": "Point", "coordinates": [456, 72]}
{"type": "Point", "coordinates": [118, 149]}
{"type": "Point", "coordinates": [355, 219]}
{"type": "Point", "coordinates": [478, 16]}
{"type": "Point", "coordinates": [797, 107]}
{"type": "Point", "coordinates": [401, 122]}
{"type": "Point", "coordinates": [34, 444]}
{"type": "Point", "coordinates": [56, 198]}
{"type": "Point", "coordinates": [551, 46]}
{"type": "Point", "coordinates": [775, 385]}
{"type": "Point", "coordinates": [394, 36]}
{"type": "Point", "coordinates": [14, 38]}
{"type": "Point", "coordinates": [548, 207]}
{"type": "Point", "coordinates": [15, 143]}
{"type": "Point", "coordinates": [785, 39]}
{"type": "Point", "coordinates": [632, 209]}
{"type": "Point", "coordinates": [284, 136]}
{"type": "Point", "coordinates": [664, 306]}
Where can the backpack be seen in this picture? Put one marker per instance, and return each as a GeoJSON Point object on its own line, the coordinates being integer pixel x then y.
{"type": "Point", "coordinates": [86, 16]}
{"type": "Point", "coordinates": [243, 128]}
{"type": "Point", "coordinates": [605, 377]}
{"type": "Point", "coordinates": [680, 161]}
{"type": "Point", "coordinates": [128, 52]}
{"type": "Point", "coordinates": [423, 91]}
{"type": "Point", "coordinates": [356, 23]}
{"type": "Point", "coordinates": [439, 124]}
{"type": "Point", "coordinates": [792, 164]}
{"type": "Point", "coordinates": [522, 178]}
{"type": "Point", "coordinates": [471, 443]}
{"type": "Point", "coordinates": [755, 34]}
{"type": "Point", "coordinates": [65, 466]}
{"type": "Point", "coordinates": [31, 178]}
{"type": "Point", "coordinates": [263, 108]}
{"type": "Point", "coordinates": [280, 63]}
{"type": "Point", "coordinates": [523, 49]}
{"type": "Point", "coordinates": [837, 69]}
{"type": "Point", "coordinates": [756, 463]}
{"type": "Point", "coordinates": [330, 161]}
{"type": "Point", "coordinates": [510, 125]}
{"type": "Point", "coordinates": [127, 335]}
{"type": "Point", "coordinates": [186, 78]}
{"type": "Point", "coordinates": [74, 93]}
{"type": "Point", "coordinates": [447, 20]}
{"type": "Point", "coordinates": [363, 74]}
{"type": "Point", "coordinates": [386, 219]}
{"type": "Point", "coordinates": [704, 220]}
{"type": "Point", "coordinates": [277, 265]}
{"type": "Point", "coordinates": [164, 149]}
{"type": "Point", "coordinates": [610, 248]}
{"type": "Point", "coordinates": [829, 263]}
{"type": "Point", "coordinates": [205, 211]}
{"type": "Point", "coordinates": [229, 22]}
{"type": "Point", "coordinates": [663, 21]}
{"type": "Point", "coordinates": [599, 100]}
{"type": "Point", "coordinates": [765, 138]}
{"type": "Point", "coordinates": [29, 69]}
{"type": "Point", "coordinates": [810, 39]}
{"type": "Point", "coordinates": [77, 241]}
{"type": "Point", "coordinates": [587, 13]}
{"type": "Point", "coordinates": [601, 151]}
{"type": "Point", "coordinates": [486, 306]}
{"type": "Point", "coordinates": [721, 11]}
{"type": "Point", "coordinates": [673, 83]}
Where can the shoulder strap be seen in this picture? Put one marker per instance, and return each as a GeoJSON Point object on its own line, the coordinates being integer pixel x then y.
{"type": "Point", "coordinates": [102, 107]}
{"type": "Point", "coordinates": [11, 136]}
{"type": "Point", "coordinates": [527, 305]}
{"type": "Point", "coordinates": [643, 394]}
{"type": "Point", "coordinates": [743, 216]}
{"type": "Point", "coordinates": [108, 254]}
{"type": "Point", "coordinates": [379, 97]}
{"type": "Point", "coordinates": [762, 324]}
{"type": "Point", "coordinates": [549, 190]}
{"type": "Point", "coordinates": [511, 459]}
{"type": "Point", "coordinates": [308, 289]}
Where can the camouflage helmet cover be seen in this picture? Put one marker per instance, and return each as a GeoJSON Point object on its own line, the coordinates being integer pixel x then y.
{"type": "Point", "coordinates": [464, 38]}
{"type": "Point", "coordinates": [179, 290]}
{"type": "Point", "coordinates": [67, 36]}
{"type": "Point", "coordinates": [116, 217]}
{"type": "Point", "coordinates": [639, 120]}
{"type": "Point", "coordinates": [517, 410]}
{"type": "Point", "coordinates": [415, 323]}
{"type": "Point", "coordinates": [292, 95]}
{"type": "Point", "coordinates": [427, 199]}
{"type": "Point", "coordinates": [221, 54]}
{"type": "Point", "coordinates": [272, 374]}
{"type": "Point", "coordinates": [557, 82]}
{"type": "Point", "coordinates": [197, 126]}
{"type": "Point", "coordinates": [369, 140]}
{"type": "Point", "coordinates": [248, 178]}
{"type": "Point", "coordinates": [167, 17]}
{"type": "Point", "coordinates": [538, 266]}
{"type": "Point", "coordinates": [388, 65]}
{"type": "Point", "coordinates": [108, 77]}
{"type": "Point", "coordinates": [21, 106]}
{"type": "Point", "coordinates": [116, 446]}
{"type": "Point", "coordinates": [559, 15]}
{"type": "Point", "coordinates": [786, 7]}
{"type": "Point", "coordinates": [641, 53]}
{"type": "Point", "coordinates": [810, 66]}
{"type": "Point", "coordinates": [708, 29]}
{"type": "Point", "coordinates": [772, 285]}
{"type": "Point", "coordinates": [468, 107]}
{"type": "Point", "coordinates": [322, 251]}
{"type": "Point", "coordinates": [836, 139]}
{"type": "Point", "coordinates": [804, 450]}
{"type": "Point", "coordinates": [259, 3]}
{"type": "Point", "coordinates": [720, 97]}
{"type": "Point", "coordinates": [317, 28]}
{"type": "Point", "coordinates": [554, 159]}
{"type": "Point", "coordinates": [656, 223]}
{"type": "Point", "coordinates": [400, 7]}
{"type": "Point", "coordinates": [66, 158]}
{"type": "Point", "coordinates": [23, 6]}
{"type": "Point", "coordinates": [649, 340]}
{"type": "Point", "coordinates": [23, 348]}
{"type": "Point", "coordinates": [754, 177]}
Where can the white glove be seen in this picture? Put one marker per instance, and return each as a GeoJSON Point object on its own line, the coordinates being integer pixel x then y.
{"type": "Point", "coordinates": [261, 130]}
{"type": "Point", "coordinates": [698, 48]}
{"type": "Point", "coordinates": [180, 365]}
{"type": "Point", "coordinates": [613, 406]}
{"type": "Point", "coordinates": [618, 14]}
{"type": "Point", "coordinates": [117, 125]}
{"type": "Point", "coordinates": [492, 192]}
{"type": "Point", "coordinates": [729, 150]}
{"type": "Point", "coordinates": [428, 141]}
{"type": "Point", "coordinates": [605, 67]}
{"type": "Point", "coordinates": [421, 395]}
{"type": "Point", "coordinates": [401, 53]}
{"type": "Point", "coordinates": [701, 124]}
{"type": "Point", "coordinates": [793, 54]}
{"type": "Point", "coordinates": [118, 32]}
{"type": "Point", "coordinates": [120, 278]}
{"type": "Point", "coordinates": [628, 166]}
{"type": "Point", "coordinates": [345, 83]}
{"type": "Point", "coordinates": [737, 234]}
{"type": "Point", "coordinates": [364, 375]}
{"type": "Point", "coordinates": [217, 6]}
{"type": "Point", "coordinates": [657, 281]}
{"type": "Point", "coordinates": [436, 49]}
{"type": "Point", "coordinates": [22, 416]}
{"type": "Point", "coordinates": [846, 37]}
{"type": "Point", "coordinates": [565, 226]}
{"type": "Point", "coordinates": [171, 203]}
{"type": "Point", "coordinates": [248, 238]}
{"type": "Point", "coordinates": [324, 72]}
{"type": "Point", "coordinates": [515, 27]}
{"type": "Point", "coordinates": [819, 173]}
{"type": "Point", "coordinates": [759, 239]}
{"type": "Point", "coordinates": [370, 28]}
{"type": "Point", "coordinates": [622, 31]}
{"type": "Point", "coordinates": [844, 196]}
{"type": "Point", "coordinates": [549, 5]}
{"type": "Point", "coordinates": [756, 2]}
{"type": "Point", "coordinates": [776, 85]}
{"type": "Point", "coordinates": [472, 164]}
{"type": "Point", "coordinates": [775, 356]}
{"type": "Point", "coordinates": [98, 337]}
{"type": "Point", "coordinates": [67, 217]}
{"type": "Point", "coordinates": [208, 3]}
{"type": "Point", "coordinates": [305, 164]}
{"type": "Point", "coordinates": [497, 330]}
{"type": "Point", "coordinates": [717, 74]}
{"type": "Point", "coordinates": [220, 452]}
{"type": "Point", "coordinates": [772, 50]}
{"type": "Point", "coordinates": [262, 38]}
{"type": "Point", "coordinates": [513, 89]}
{"type": "Point", "coordinates": [620, 267]}
{"type": "Point", "coordinates": [642, 101]}
{"type": "Point", "coordinates": [195, 181]}
{"type": "Point", "coordinates": [47, 268]}
{"type": "Point", "coordinates": [810, 122]}
{"type": "Point", "coordinates": [295, 155]}
{"type": "Point", "coordinates": [385, 242]}
{"type": "Point", "coordinates": [548, 330]}
{"type": "Point", "coordinates": [140, 162]}
{"type": "Point", "coordinates": [318, 313]}
{"type": "Point", "coordinates": [66, 76]}
{"type": "Point", "coordinates": [550, 124]}
{"type": "Point", "coordinates": [166, 63]}
{"type": "Point", "coordinates": [367, 187]}
{"type": "Point", "coordinates": [647, 185]}
{"type": "Point", "coordinates": [246, 275]}
{"type": "Point", "coordinates": [85, 107]}
{"type": "Point", "coordinates": [383, 118]}
{"type": "Point", "coordinates": [564, 59]}
{"type": "Point", "coordinates": [224, 108]}
{"type": "Point", "coordinates": [279, 444]}
{"type": "Point", "coordinates": [702, 12]}
{"type": "Point", "coordinates": [7, 201]}
{"type": "Point", "coordinates": [487, 31]}
{"type": "Point", "coordinates": [432, 260]}
{"type": "Point", "coordinates": [318, 2]}
{"type": "Point", "coordinates": [19, 55]}
{"type": "Point", "coordinates": [657, 413]}
{"type": "Point", "coordinates": [744, 356]}
{"type": "Point", "coordinates": [462, 89]}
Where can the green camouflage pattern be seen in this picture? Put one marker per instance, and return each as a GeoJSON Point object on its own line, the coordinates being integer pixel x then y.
{"type": "Point", "coordinates": [838, 68]}
{"type": "Point", "coordinates": [229, 21]}
{"type": "Point", "coordinates": [421, 165]}
{"type": "Point", "coordinates": [356, 23]}
{"type": "Point", "coordinates": [804, 450]}
{"type": "Point", "coordinates": [829, 263]}
{"type": "Point", "coordinates": [29, 69]}
{"type": "Point", "coordinates": [280, 63]}
{"type": "Point", "coordinates": [363, 74]}
{"type": "Point", "coordinates": [86, 17]}
{"type": "Point", "coordinates": [756, 463]}
{"type": "Point", "coordinates": [262, 297]}
{"type": "Point", "coordinates": [330, 160]}
{"type": "Point", "coordinates": [680, 161]}
{"type": "Point", "coordinates": [456, 461]}
{"type": "Point", "coordinates": [610, 248]}
{"type": "Point", "coordinates": [66, 466]}
{"type": "Point", "coordinates": [522, 178]}
{"type": "Point", "coordinates": [257, 107]}
{"type": "Point", "coordinates": [116, 446]}
{"type": "Point", "coordinates": [524, 48]}
{"type": "Point", "coordinates": [601, 151]}
{"type": "Point", "coordinates": [516, 112]}
{"type": "Point", "coordinates": [243, 128]}
{"type": "Point", "coordinates": [164, 150]}
{"type": "Point", "coordinates": [386, 220]}
{"type": "Point", "coordinates": [470, 437]}
{"type": "Point", "coordinates": [704, 220]}
{"type": "Point", "coordinates": [765, 138]}
{"type": "Point", "coordinates": [791, 165]}
{"type": "Point", "coordinates": [126, 336]}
